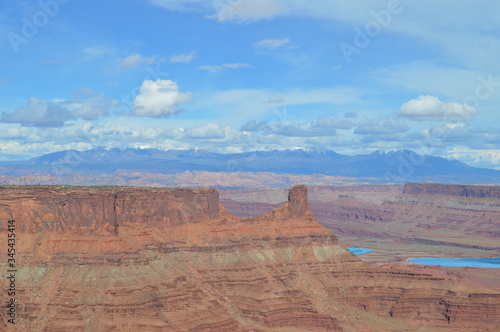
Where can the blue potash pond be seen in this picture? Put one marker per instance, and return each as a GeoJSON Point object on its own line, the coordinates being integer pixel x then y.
{"type": "Point", "coordinates": [459, 262]}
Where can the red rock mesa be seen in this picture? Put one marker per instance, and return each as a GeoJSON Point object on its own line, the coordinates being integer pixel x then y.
{"type": "Point", "coordinates": [137, 259]}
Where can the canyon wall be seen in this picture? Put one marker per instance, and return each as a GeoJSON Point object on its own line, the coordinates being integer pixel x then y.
{"type": "Point", "coordinates": [452, 190]}
{"type": "Point", "coordinates": [130, 259]}
{"type": "Point", "coordinates": [92, 211]}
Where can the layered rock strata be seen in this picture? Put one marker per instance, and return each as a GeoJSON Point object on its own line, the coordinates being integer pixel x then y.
{"type": "Point", "coordinates": [130, 259]}
{"type": "Point", "coordinates": [452, 190]}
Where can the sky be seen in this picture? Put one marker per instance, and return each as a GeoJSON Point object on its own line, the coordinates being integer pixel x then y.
{"type": "Point", "coordinates": [243, 75]}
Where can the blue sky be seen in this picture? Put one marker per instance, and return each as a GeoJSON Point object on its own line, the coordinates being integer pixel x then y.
{"type": "Point", "coordinates": [241, 75]}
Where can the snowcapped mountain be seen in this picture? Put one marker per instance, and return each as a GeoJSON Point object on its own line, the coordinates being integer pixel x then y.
{"type": "Point", "coordinates": [385, 166]}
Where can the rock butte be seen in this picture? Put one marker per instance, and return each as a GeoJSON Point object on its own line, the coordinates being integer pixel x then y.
{"type": "Point", "coordinates": [137, 259]}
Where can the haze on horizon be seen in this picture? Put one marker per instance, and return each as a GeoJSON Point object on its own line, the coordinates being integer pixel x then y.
{"type": "Point", "coordinates": [242, 75]}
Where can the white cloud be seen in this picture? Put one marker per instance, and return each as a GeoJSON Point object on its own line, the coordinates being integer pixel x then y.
{"type": "Point", "coordinates": [181, 5]}
{"type": "Point", "coordinates": [137, 60]}
{"type": "Point", "coordinates": [253, 126]}
{"type": "Point", "coordinates": [21, 150]}
{"type": "Point", "coordinates": [324, 126]}
{"type": "Point", "coordinates": [160, 98]}
{"type": "Point", "coordinates": [153, 133]}
{"type": "Point", "coordinates": [307, 130]}
{"type": "Point", "coordinates": [225, 66]}
{"type": "Point", "coordinates": [162, 133]}
{"type": "Point", "coordinates": [55, 113]}
{"type": "Point", "coordinates": [182, 58]}
{"type": "Point", "coordinates": [333, 122]}
{"type": "Point", "coordinates": [92, 108]}
{"type": "Point", "coordinates": [432, 109]}
{"type": "Point", "coordinates": [38, 113]}
{"type": "Point", "coordinates": [274, 44]}
{"type": "Point", "coordinates": [276, 99]}
{"type": "Point", "coordinates": [246, 11]}
{"type": "Point", "coordinates": [208, 131]}
{"type": "Point", "coordinates": [22, 133]}
{"type": "Point", "coordinates": [383, 126]}
{"type": "Point", "coordinates": [465, 33]}
{"type": "Point", "coordinates": [481, 158]}
{"type": "Point", "coordinates": [95, 51]}
{"type": "Point", "coordinates": [456, 134]}
{"type": "Point", "coordinates": [131, 61]}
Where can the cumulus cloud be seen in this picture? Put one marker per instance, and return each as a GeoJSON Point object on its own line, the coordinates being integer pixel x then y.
{"type": "Point", "coordinates": [253, 126]}
{"type": "Point", "coordinates": [151, 133]}
{"type": "Point", "coordinates": [454, 134]}
{"type": "Point", "coordinates": [32, 134]}
{"type": "Point", "coordinates": [159, 99]}
{"type": "Point", "coordinates": [134, 134]}
{"type": "Point", "coordinates": [382, 126]}
{"type": "Point", "coordinates": [333, 122]}
{"type": "Point", "coordinates": [431, 108]}
{"type": "Point", "coordinates": [225, 66]}
{"type": "Point", "coordinates": [322, 127]}
{"type": "Point", "coordinates": [39, 113]}
{"type": "Point", "coordinates": [208, 131]}
{"type": "Point", "coordinates": [481, 157]}
{"type": "Point", "coordinates": [92, 108]}
{"type": "Point", "coordinates": [305, 130]}
{"type": "Point", "coordinates": [301, 131]}
{"type": "Point", "coordinates": [274, 44]}
{"type": "Point", "coordinates": [395, 140]}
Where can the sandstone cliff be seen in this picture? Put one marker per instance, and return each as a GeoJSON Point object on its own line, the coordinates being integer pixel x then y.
{"type": "Point", "coordinates": [130, 259]}
{"type": "Point", "coordinates": [451, 189]}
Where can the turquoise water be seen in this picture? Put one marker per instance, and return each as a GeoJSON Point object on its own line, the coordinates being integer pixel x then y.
{"type": "Point", "coordinates": [458, 262]}
{"type": "Point", "coordinates": [462, 262]}
{"type": "Point", "coordinates": [359, 251]}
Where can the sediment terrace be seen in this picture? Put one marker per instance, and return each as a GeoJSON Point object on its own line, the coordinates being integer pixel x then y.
{"type": "Point", "coordinates": [137, 259]}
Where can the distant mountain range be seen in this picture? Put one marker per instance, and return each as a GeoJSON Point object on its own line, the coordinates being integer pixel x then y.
{"type": "Point", "coordinates": [379, 166]}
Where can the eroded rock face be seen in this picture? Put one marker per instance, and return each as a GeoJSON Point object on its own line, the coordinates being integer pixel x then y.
{"type": "Point", "coordinates": [130, 259]}
{"type": "Point", "coordinates": [297, 198]}
{"type": "Point", "coordinates": [452, 190]}
{"type": "Point", "coordinates": [91, 211]}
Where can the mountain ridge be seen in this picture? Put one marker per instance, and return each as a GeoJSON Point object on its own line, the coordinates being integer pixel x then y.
{"type": "Point", "coordinates": [389, 166]}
